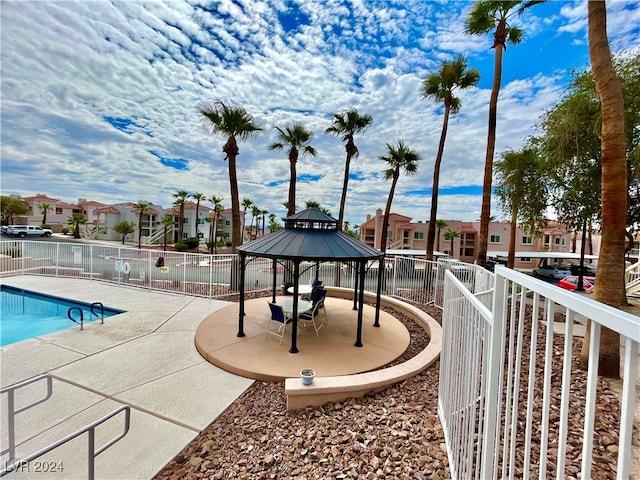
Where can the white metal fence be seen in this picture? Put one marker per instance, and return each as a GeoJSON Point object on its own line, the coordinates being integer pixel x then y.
{"type": "Point", "coordinates": [411, 279]}
{"type": "Point", "coordinates": [510, 386]}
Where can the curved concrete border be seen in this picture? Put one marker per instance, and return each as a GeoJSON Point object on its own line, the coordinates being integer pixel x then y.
{"type": "Point", "coordinates": [335, 389]}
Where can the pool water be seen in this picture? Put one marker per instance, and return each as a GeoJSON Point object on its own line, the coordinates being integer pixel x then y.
{"type": "Point", "coordinates": [25, 314]}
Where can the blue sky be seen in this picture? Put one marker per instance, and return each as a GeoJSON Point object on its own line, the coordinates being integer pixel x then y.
{"type": "Point", "coordinates": [99, 99]}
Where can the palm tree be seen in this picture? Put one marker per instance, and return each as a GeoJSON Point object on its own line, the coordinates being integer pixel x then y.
{"type": "Point", "coordinates": [213, 233]}
{"type": "Point", "coordinates": [440, 224]}
{"type": "Point", "coordinates": [44, 208]}
{"type": "Point", "coordinates": [232, 123]}
{"type": "Point", "coordinates": [316, 204]}
{"type": "Point", "coordinates": [255, 212]}
{"type": "Point", "coordinates": [610, 287]}
{"type": "Point", "coordinates": [263, 214]}
{"type": "Point", "coordinates": [451, 235]}
{"type": "Point", "coordinates": [439, 87]}
{"type": "Point", "coordinates": [75, 220]}
{"type": "Point", "coordinates": [346, 125]}
{"type": "Point", "coordinates": [166, 221]}
{"type": "Point", "coordinates": [297, 139]}
{"type": "Point", "coordinates": [198, 197]}
{"type": "Point", "coordinates": [142, 208]}
{"type": "Point", "coordinates": [400, 158]}
{"type": "Point", "coordinates": [246, 203]}
{"type": "Point", "coordinates": [522, 191]}
{"type": "Point", "coordinates": [484, 16]}
{"type": "Point", "coordinates": [180, 199]}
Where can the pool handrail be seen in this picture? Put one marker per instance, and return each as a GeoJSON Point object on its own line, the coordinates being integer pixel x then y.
{"type": "Point", "coordinates": [92, 453]}
{"type": "Point", "coordinates": [12, 412]}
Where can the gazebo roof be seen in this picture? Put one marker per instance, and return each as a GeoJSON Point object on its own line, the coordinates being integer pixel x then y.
{"type": "Point", "coordinates": [310, 235]}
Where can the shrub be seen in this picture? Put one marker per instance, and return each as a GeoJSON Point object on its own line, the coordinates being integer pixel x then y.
{"type": "Point", "coordinates": [181, 247]}
{"type": "Point", "coordinates": [228, 244]}
{"type": "Point", "coordinates": [192, 242]}
{"type": "Point", "coordinates": [13, 252]}
{"type": "Point", "coordinates": [65, 230]}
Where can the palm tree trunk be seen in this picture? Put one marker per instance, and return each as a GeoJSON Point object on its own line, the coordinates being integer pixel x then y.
{"type": "Point", "coordinates": [511, 257]}
{"type": "Point", "coordinates": [431, 232]}
{"type": "Point", "coordinates": [610, 287]}
{"type": "Point", "coordinates": [293, 159]}
{"type": "Point", "coordinates": [345, 183]}
{"type": "Point", "coordinates": [485, 212]}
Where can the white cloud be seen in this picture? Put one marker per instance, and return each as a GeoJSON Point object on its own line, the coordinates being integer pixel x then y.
{"type": "Point", "coordinates": [152, 64]}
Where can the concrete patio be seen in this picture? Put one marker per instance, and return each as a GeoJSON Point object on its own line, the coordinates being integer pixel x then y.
{"type": "Point", "coordinates": [144, 358]}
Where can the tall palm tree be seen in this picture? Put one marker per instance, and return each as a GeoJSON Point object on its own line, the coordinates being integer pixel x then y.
{"type": "Point", "coordinates": [440, 224]}
{"type": "Point", "coordinates": [198, 197]}
{"type": "Point", "coordinates": [213, 233]}
{"type": "Point", "coordinates": [142, 208]}
{"type": "Point", "coordinates": [316, 204]}
{"type": "Point", "coordinates": [44, 208]}
{"type": "Point", "coordinates": [75, 220]}
{"type": "Point", "coordinates": [166, 221]}
{"type": "Point", "coordinates": [180, 199]}
{"type": "Point", "coordinates": [451, 235]}
{"type": "Point", "coordinates": [610, 287]}
{"type": "Point", "coordinates": [440, 86]}
{"type": "Point", "coordinates": [233, 123]}
{"type": "Point", "coordinates": [346, 125]}
{"type": "Point", "coordinates": [485, 16]}
{"type": "Point", "coordinates": [296, 138]}
{"type": "Point", "coordinates": [246, 203]}
{"type": "Point", "coordinates": [400, 158]}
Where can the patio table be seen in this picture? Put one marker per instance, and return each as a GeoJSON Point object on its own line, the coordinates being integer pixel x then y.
{"type": "Point", "coordinates": [287, 305]}
{"type": "Point", "coordinates": [302, 289]}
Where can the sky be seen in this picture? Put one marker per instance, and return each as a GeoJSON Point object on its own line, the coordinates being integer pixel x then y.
{"type": "Point", "coordinates": [100, 98]}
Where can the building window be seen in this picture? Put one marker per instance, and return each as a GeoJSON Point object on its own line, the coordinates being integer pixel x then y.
{"type": "Point", "coordinates": [227, 222]}
{"type": "Point", "coordinates": [494, 239]}
{"type": "Point", "coordinates": [527, 240]}
{"type": "Point", "coordinates": [525, 259]}
{"type": "Point", "coordinates": [58, 211]}
{"type": "Point", "coordinates": [389, 234]}
{"type": "Point", "coordinates": [557, 240]}
{"type": "Point", "coordinates": [564, 241]}
{"type": "Point", "coordinates": [547, 240]}
{"type": "Point", "coordinates": [418, 235]}
{"type": "Point", "coordinates": [468, 252]}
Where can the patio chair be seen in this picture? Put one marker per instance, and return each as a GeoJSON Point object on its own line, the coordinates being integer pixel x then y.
{"type": "Point", "coordinates": [278, 316]}
{"type": "Point", "coordinates": [315, 285]}
{"type": "Point", "coordinates": [310, 315]}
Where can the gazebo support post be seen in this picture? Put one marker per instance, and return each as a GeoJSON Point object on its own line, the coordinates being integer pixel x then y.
{"type": "Point", "coordinates": [356, 277]}
{"type": "Point", "coordinates": [294, 329]}
{"type": "Point", "coordinates": [275, 278]}
{"type": "Point", "coordinates": [241, 314]}
{"type": "Point", "coordinates": [361, 304]}
{"type": "Point", "coordinates": [376, 322]}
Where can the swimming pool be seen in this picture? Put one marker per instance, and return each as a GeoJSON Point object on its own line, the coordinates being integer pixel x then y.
{"type": "Point", "coordinates": [26, 314]}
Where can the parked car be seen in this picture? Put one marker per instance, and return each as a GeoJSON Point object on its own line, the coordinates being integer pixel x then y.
{"type": "Point", "coordinates": [23, 231]}
{"type": "Point", "coordinates": [570, 282]}
{"type": "Point", "coordinates": [587, 269]}
{"type": "Point", "coordinates": [551, 270]}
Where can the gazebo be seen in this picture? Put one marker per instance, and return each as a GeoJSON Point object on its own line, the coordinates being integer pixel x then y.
{"type": "Point", "coordinates": [310, 236]}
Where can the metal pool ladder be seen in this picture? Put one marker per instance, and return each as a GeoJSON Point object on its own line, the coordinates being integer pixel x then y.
{"type": "Point", "coordinates": [79, 310]}
{"type": "Point", "coordinates": [92, 452]}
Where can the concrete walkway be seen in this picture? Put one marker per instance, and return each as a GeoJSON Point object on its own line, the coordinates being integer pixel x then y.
{"type": "Point", "coordinates": [145, 358]}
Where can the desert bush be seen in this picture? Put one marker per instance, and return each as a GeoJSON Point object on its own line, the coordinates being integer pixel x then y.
{"type": "Point", "coordinates": [181, 247]}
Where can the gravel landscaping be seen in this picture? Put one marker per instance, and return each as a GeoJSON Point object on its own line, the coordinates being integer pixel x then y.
{"type": "Point", "coordinates": [394, 434]}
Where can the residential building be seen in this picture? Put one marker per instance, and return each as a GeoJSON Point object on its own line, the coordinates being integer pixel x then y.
{"type": "Point", "coordinates": [404, 234]}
